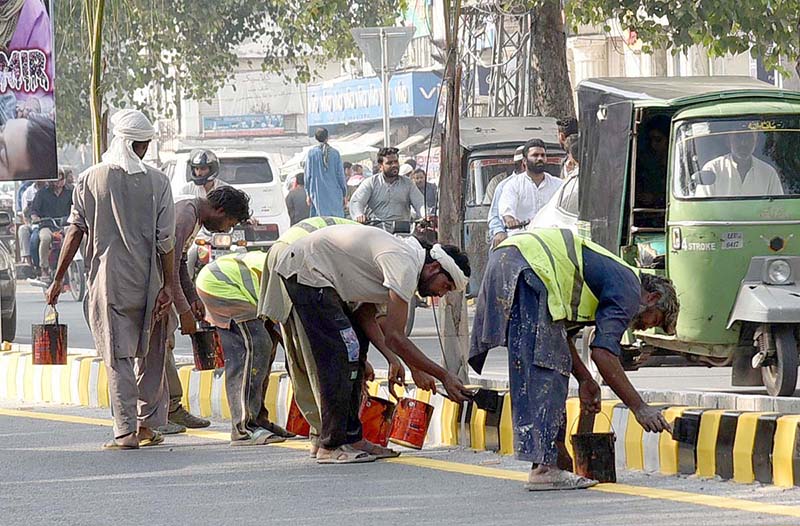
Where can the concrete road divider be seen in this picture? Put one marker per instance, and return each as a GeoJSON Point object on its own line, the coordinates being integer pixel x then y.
{"type": "Point", "coordinates": [714, 436]}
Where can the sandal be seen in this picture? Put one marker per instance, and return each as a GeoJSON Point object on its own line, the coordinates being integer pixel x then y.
{"type": "Point", "coordinates": [260, 437]}
{"type": "Point", "coordinates": [114, 445]}
{"type": "Point", "coordinates": [345, 455]}
{"type": "Point", "coordinates": [560, 480]}
{"type": "Point", "coordinates": [376, 450]}
{"type": "Point", "coordinates": [155, 440]}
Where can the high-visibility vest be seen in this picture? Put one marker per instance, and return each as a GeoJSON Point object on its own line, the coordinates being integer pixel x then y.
{"type": "Point", "coordinates": [233, 276]}
{"type": "Point", "coordinates": [556, 256]}
{"type": "Point", "coordinates": [312, 224]}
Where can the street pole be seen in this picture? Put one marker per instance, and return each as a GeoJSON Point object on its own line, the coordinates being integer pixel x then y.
{"type": "Point", "coordinates": [385, 81]}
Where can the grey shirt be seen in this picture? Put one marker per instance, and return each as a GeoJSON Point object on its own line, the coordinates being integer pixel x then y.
{"type": "Point", "coordinates": [378, 199]}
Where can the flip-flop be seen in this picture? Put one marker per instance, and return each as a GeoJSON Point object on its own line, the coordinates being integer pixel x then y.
{"type": "Point", "coordinates": [564, 480]}
{"type": "Point", "coordinates": [346, 455]}
{"type": "Point", "coordinates": [155, 440]}
{"type": "Point", "coordinates": [114, 445]}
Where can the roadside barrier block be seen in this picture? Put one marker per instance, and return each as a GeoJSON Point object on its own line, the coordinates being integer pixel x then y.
{"type": "Point", "coordinates": [726, 436]}
{"type": "Point", "coordinates": [667, 446]}
{"type": "Point", "coordinates": [685, 431]}
{"type": "Point", "coordinates": [506, 427]}
{"type": "Point", "coordinates": [764, 446]}
{"type": "Point", "coordinates": [184, 373]}
{"type": "Point", "coordinates": [786, 452]}
{"type": "Point", "coordinates": [744, 446]}
{"type": "Point", "coordinates": [706, 449]}
{"type": "Point", "coordinates": [619, 420]}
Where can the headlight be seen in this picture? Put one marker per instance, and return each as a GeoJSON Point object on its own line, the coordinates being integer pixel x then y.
{"type": "Point", "coordinates": [779, 272]}
{"type": "Point", "coordinates": [221, 240]}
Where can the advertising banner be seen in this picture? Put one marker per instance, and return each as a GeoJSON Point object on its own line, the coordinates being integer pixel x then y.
{"type": "Point", "coordinates": [27, 103]}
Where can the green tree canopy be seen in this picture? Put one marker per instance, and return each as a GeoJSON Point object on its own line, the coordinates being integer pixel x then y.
{"type": "Point", "coordinates": [188, 46]}
{"type": "Point", "coordinates": [766, 28]}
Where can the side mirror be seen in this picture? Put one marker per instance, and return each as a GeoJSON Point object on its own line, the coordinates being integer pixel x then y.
{"type": "Point", "coordinates": [5, 219]}
{"type": "Point", "coordinates": [704, 177]}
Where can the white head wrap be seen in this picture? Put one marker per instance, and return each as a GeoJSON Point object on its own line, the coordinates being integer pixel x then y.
{"type": "Point", "coordinates": [449, 265]}
{"type": "Point", "coordinates": [128, 126]}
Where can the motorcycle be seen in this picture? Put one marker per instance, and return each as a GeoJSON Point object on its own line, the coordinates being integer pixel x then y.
{"type": "Point", "coordinates": [75, 282]}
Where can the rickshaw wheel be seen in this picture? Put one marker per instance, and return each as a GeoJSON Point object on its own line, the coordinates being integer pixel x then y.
{"type": "Point", "coordinates": [780, 378]}
{"type": "Point", "coordinates": [586, 355]}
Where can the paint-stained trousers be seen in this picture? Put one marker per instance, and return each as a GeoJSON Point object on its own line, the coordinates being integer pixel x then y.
{"type": "Point", "coordinates": [249, 353]}
{"type": "Point", "coordinates": [538, 373]}
{"type": "Point", "coordinates": [303, 371]}
{"type": "Point", "coordinates": [338, 354]}
{"type": "Point", "coordinates": [138, 387]}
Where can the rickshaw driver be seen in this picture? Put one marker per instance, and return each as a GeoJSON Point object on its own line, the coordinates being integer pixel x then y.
{"type": "Point", "coordinates": [739, 173]}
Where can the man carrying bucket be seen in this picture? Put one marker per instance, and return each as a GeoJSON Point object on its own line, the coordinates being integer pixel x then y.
{"type": "Point", "coordinates": [222, 209]}
{"type": "Point", "coordinates": [538, 287]}
{"type": "Point", "coordinates": [228, 287]}
{"type": "Point", "coordinates": [125, 208]}
{"type": "Point", "coordinates": [342, 265]}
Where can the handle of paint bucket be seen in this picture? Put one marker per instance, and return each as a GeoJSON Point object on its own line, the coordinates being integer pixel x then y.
{"type": "Point", "coordinates": [44, 314]}
{"type": "Point", "coordinates": [610, 423]}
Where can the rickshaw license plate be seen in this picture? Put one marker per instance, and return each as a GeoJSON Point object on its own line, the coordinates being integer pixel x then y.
{"type": "Point", "coordinates": [732, 240]}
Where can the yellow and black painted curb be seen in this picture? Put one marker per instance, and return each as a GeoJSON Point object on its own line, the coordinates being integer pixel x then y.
{"type": "Point", "coordinates": [741, 446]}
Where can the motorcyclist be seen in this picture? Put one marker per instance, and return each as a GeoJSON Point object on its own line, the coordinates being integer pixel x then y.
{"type": "Point", "coordinates": [204, 173]}
{"type": "Point", "coordinates": [387, 195]}
{"type": "Point", "coordinates": [54, 201]}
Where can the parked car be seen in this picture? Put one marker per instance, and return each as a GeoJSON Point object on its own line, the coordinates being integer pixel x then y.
{"type": "Point", "coordinates": [254, 173]}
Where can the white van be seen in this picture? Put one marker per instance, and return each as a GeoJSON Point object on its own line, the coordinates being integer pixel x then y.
{"type": "Point", "coordinates": [254, 173]}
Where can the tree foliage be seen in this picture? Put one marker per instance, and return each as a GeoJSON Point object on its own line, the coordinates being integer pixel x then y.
{"type": "Point", "coordinates": [765, 28]}
{"type": "Point", "coordinates": [155, 47]}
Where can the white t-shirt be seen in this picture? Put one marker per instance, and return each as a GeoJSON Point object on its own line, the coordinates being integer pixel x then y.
{"type": "Point", "coordinates": [198, 190]}
{"type": "Point", "coordinates": [761, 179]}
{"type": "Point", "coordinates": [522, 199]}
{"type": "Point", "coordinates": [362, 263]}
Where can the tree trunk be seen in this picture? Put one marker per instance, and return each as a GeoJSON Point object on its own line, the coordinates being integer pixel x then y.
{"type": "Point", "coordinates": [551, 91]}
{"type": "Point", "coordinates": [452, 313]}
{"type": "Point", "coordinates": [95, 19]}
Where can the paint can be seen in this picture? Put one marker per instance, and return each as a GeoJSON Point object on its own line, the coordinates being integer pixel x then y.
{"type": "Point", "coordinates": [376, 419]}
{"type": "Point", "coordinates": [207, 349]}
{"type": "Point", "coordinates": [410, 423]}
{"type": "Point", "coordinates": [295, 422]}
{"type": "Point", "coordinates": [594, 452]}
{"type": "Point", "coordinates": [49, 342]}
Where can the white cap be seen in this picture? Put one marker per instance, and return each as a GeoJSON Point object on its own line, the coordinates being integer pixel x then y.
{"type": "Point", "coordinates": [405, 169]}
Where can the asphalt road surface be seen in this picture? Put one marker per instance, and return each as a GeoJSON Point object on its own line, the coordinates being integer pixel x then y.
{"type": "Point", "coordinates": [30, 305]}
{"type": "Point", "coordinates": [54, 472]}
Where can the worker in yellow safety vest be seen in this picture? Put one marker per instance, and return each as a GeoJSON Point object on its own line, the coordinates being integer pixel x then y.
{"type": "Point", "coordinates": [228, 288]}
{"type": "Point", "coordinates": [539, 287]}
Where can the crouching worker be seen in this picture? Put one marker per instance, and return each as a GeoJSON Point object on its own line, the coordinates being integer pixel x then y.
{"type": "Point", "coordinates": [329, 272]}
{"type": "Point", "coordinates": [538, 287]}
{"type": "Point", "coordinates": [228, 287]}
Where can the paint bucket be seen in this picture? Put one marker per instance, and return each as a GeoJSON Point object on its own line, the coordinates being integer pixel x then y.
{"type": "Point", "coordinates": [295, 422]}
{"type": "Point", "coordinates": [376, 419]}
{"type": "Point", "coordinates": [594, 454]}
{"type": "Point", "coordinates": [410, 423]}
{"type": "Point", "coordinates": [207, 349]}
{"type": "Point", "coordinates": [49, 342]}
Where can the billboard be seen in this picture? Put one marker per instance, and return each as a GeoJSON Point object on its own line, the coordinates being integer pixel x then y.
{"type": "Point", "coordinates": [27, 102]}
{"type": "Point", "coordinates": [359, 100]}
{"type": "Point", "coordinates": [255, 125]}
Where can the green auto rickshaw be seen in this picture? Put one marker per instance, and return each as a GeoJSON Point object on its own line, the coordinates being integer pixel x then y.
{"type": "Point", "coordinates": [698, 179]}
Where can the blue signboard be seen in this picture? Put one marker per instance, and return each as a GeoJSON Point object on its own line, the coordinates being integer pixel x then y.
{"type": "Point", "coordinates": [359, 100]}
{"type": "Point", "coordinates": [243, 125]}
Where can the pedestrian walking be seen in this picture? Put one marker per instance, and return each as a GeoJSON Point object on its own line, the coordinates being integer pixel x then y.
{"type": "Point", "coordinates": [324, 178]}
{"type": "Point", "coordinates": [125, 208]}
{"type": "Point", "coordinates": [297, 201]}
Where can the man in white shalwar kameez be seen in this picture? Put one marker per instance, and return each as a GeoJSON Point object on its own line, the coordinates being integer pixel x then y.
{"type": "Point", "coordinates": [125, 209]}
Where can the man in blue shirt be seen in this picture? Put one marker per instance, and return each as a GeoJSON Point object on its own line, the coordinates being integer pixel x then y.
{"type": "Point", "coordinates": [324, 178]}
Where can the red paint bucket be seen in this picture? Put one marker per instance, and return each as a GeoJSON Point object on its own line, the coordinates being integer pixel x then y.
{"type": "Point", "coordinates": [295, 422]}
{"type": "Point", "coordinates": [410, 423]}
{"type": "Point", "coordinates": [207, 349]}
{"type": "Point", "coordinates": [376, 419]}
{"type": "Point", "coordinates": [49, 342]}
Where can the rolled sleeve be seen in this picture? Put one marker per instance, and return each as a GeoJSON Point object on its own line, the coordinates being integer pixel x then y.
{"type": "Point", "coordinates": [165, 222]}
{"type": "Point", "coordinates": [618, 292]}
{"type": "Point", "coordinates": [358, 203]}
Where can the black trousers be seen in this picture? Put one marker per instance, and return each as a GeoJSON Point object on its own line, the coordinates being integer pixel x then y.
{"type": "Point", "coordinates": [339, 347]}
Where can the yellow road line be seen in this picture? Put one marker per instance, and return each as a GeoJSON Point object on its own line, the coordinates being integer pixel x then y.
{"type": "Point", "coordinates": [478, 471]}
